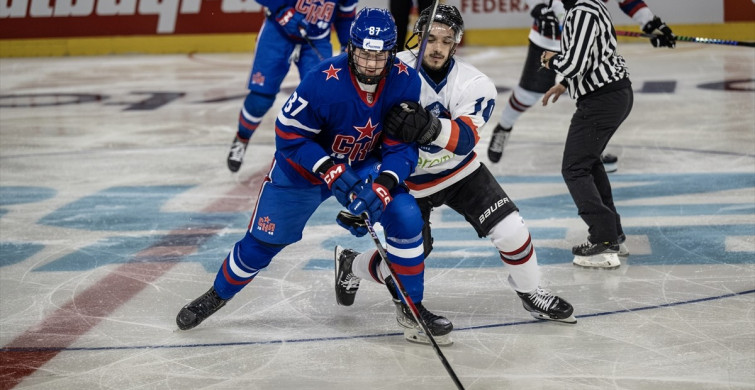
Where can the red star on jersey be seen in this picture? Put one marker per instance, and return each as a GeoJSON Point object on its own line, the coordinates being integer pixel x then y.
{"type": "Point", "coordinates": [332, 72]}
{"type": "Point", "coordinates": [402, 68]}
{"type": "Point", "coordinates": [366, 130]}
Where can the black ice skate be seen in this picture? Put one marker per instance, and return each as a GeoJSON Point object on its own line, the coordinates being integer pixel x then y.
{"type": "Point", "coordinates": [439, 326]}
{"type": "Point", "coordinates": [498, 142]}
{"type": "Point", "coordinates": [597, 255]}
{"type": "Point", "coordinates": [198, 310]}
{"type": "Point", "coordinates": [347, 283]}
{"type": "Point", "coordinates": [545, 306]}
{"type": "Point", "coordinates": [236, 155]}
{"type": "Point", "coordinates": [610, 162]}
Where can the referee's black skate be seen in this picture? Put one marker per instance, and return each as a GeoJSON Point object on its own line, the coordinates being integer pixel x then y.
{"type": "Point", "coordinates": [543, 305]}
{"type": "Point", "coordinates": [610, 162]}
{"type": "Point", "coordinates": [598, 255]}
{"type": "Point", "coordinates": [439, 326]}
{"type": "Point", "coordinates": [347, 283]}
{"type": "Point", "coordinates": [498, 142]}
{"type": "Point", "coordinates": [199, 309]}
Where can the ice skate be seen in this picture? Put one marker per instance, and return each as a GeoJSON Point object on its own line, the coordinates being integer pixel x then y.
{"type": "Point", "coordinates": [623, 249]}
{"type": "Point", "coordinates": [236, 155]}
{"type": "Point", "coordinates": [439, 326]}
{"type": "Point", "coordinates": [198, 310]}
{"type": "Point", "coordinates": [610, 162]}
{"type": "Point", "coordinates": [543, 305]}
{"type": "Point", "coordinates": [597, 255]}
{"type": "Point", "coordinates": [498, 142]}
{"type": "Point", "coordinates": [347, 283]}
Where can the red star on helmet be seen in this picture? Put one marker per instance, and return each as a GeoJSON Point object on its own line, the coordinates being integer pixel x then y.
{"type": "Point", "coordinates": [366, 130]}
{"type": "Point", "coordinates": [402, 67]}
{"type": "Point", "coordinates": [332, 72]}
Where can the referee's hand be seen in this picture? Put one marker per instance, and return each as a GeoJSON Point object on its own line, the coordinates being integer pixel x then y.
{"type": "Point", "coordinates": [555, 91]}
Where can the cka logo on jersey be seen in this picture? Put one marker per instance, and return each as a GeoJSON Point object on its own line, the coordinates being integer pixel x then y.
{"type": "Point", "coordinates": [264, 224]}
{"type": "Point", "coordinates": [316, 13]}
{"type": "Point", "coordinates": [349, 145]}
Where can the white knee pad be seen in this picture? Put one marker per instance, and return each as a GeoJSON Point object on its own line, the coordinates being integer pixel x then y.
{"type": "Point", "coordinates": [510, 234]}
{"type": "Point", "coordinates": [512, 239]}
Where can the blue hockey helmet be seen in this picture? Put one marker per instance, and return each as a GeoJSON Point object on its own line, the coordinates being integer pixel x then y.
{"type": "Point", "coordinates": [372, 31]}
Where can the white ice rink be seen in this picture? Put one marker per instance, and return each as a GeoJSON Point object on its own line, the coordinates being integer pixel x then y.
{"type": "Point", "coordinates": [116, 209]}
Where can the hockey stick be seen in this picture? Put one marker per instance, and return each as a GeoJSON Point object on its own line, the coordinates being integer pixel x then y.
{"type": "Point", "coordinates": [688, 39]}
{"type": "Point", "coordinates": [410, 303]}
{"type": "Point", "coordinates": [426, 34]}
{"type": "Point", "coordinates": [303, 33]}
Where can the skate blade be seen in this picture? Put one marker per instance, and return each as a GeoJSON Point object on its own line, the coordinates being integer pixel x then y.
{"type": "Point", "coordinates": [623, 250]}
{"type": "Point", "coordinates": [541, 316]}
{"type": "Point", "coordinates": [603, 260]}
{"type": "Point", "coordinates": [610, 167]}
{"type": "Point", "coordinates": [419, 337]}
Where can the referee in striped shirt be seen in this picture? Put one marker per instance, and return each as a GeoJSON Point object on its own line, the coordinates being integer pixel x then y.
{"type": "Point", "coordinates": [598, 78]}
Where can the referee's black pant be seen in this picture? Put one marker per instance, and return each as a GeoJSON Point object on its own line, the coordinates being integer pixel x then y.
{"type": "Point", "coordinates": [597, 118]}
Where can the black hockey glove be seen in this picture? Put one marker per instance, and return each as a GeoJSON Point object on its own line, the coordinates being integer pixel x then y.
{"type": "Point", "coordinates": [410, 122]}
{"type": "Point", "coordinates": [547, 22]}
{"type": "Point", "coordinates": [664, 35]}
{"type": "Point", "coordinates": [352, 223]}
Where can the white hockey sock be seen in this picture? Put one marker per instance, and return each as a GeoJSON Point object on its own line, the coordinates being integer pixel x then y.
{"type": "Point", "coordinates": [512, 239]}
{"type": "Point", "coordinates": [519, 101]}
{"type": "Point", "coordinates": [364, 267]}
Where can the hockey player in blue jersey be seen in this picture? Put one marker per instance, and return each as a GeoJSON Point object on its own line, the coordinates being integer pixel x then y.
{"type": "Point", "coordinates": [456, 101]}
{"type": "Point", "coordinates": [329, 138]}
{"type": "Point", "coordinates": [282, 40]}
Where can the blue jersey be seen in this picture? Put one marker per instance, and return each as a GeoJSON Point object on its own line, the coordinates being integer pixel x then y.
{"type": "Point", "coordinates": [329, 116]}
{"type": "Point", "coordinates": [319, 14]}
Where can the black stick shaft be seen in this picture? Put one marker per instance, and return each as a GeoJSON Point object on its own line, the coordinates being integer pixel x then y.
{"type": "Point", "coordinates": [410, 303]}
{"type": "Point", "coordinates": [689, 39]}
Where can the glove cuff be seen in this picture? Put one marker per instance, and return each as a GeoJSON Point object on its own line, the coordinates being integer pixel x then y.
{"type": "Point", "coordinates": [652, 25]}
{"type": "Point", "coordinates": [386, 180]}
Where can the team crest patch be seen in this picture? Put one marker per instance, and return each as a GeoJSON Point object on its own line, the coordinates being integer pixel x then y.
{"type": "Point", "coordinates": [258, 79]}
{"type": "Point", "coordinates": [264, 224]}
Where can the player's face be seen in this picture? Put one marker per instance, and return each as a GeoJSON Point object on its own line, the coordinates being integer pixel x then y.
{"type": "Point", "coordinates": [370, 63]}
{"type": "Point", "coordinates": [440, 44]}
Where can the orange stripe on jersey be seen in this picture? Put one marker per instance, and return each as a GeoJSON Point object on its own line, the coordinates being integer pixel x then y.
{"type": "Point", "coordinates": [468, 121]}
{"type": "Point", "coordinates": [286, 135]}
{"type": "Point", "coordinates": [453, 140]}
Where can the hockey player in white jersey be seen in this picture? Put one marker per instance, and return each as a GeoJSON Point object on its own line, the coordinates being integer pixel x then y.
{"type": "Point", "coordinates": [456, 101]}
{"type": "Point", "coordinates": [545, 34]}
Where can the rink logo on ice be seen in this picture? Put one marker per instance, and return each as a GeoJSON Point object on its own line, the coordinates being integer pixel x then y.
{"type": "Point", "coordinates": [683, 223]}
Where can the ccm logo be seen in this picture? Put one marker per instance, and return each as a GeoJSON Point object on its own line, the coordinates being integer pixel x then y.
{"type": "Point", "coordinates": [332, 174]}
{"type": "Point", "coordinates": [383, 193]}
{"type": "Point", "coordinates": [490, 210]}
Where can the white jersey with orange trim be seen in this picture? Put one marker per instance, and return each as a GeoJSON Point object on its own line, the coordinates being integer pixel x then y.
{"type": "Point", "coordinates": [463, 101]}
